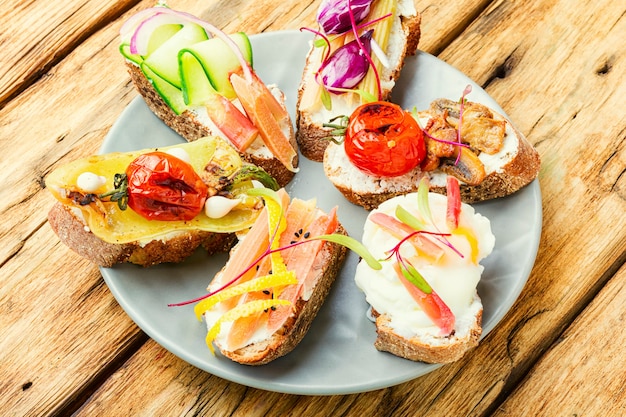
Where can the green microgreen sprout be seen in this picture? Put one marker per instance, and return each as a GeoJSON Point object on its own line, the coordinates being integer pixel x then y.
{"type": "Point", "coordinates": [120, 192]}
{"type": "Point", "coordinates": [340, 239]}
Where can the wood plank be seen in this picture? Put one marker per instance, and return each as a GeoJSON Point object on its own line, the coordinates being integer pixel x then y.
{"type": "Point", "coordinates": [37, 35]}
{"type": "Point", "coordinates": [587, 360]}
{"type": "Point", "coordinates": [559, 87]}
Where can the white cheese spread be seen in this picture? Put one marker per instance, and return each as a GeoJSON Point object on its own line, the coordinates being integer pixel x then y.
{"type": "Point", "coordinates": [452, 277]}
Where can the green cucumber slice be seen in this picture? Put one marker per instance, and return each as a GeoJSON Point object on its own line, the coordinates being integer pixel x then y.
{"type": "Point", "coordinates": [217, 61]}
{"type": "Point", "coordinates": [125, 51]}
{"type": "Point", "coordinates": [164, 60]}
{"type": "Point", "coordinates": [196, 86]}
{"type": "Point", "coordinates": [161, 35]}
{"type": "Point", "coordinates": [172, 96]}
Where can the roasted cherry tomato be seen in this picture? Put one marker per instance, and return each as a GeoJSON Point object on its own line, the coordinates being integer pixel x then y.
{"type": "Point", "coordinates": [164, 187]}
{"type": "Point", "coordinates": [384, 140]}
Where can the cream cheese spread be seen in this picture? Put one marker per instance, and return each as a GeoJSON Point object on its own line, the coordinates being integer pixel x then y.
{"type": "Point", "coordinates": [453, 277]}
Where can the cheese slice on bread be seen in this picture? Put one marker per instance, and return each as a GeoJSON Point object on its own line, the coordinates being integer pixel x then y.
{"type": "Point", "coordinates": [91, 218]}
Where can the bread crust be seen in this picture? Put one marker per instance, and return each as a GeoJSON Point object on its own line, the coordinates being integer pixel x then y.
{"type": "Point", "coordinates": [327, 264]}
{"type": "Point", "coordinates": [74, 234]}
{"type": "Point", "coordinates": [188, 126]}
{"type": "Point", "coordinates": [446, 349]}
{"type": "Point", "coordinates": [515, 174]}
{"type": "Point", "coordinates": [312, 137]}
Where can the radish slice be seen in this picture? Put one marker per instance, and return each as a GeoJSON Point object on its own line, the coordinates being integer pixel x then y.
{"type": "Point", "coordinates": [184, 18]}
{"type": "Point", "coordinates": [129, 26]}
{"type": "Point", "coordinates": [141, 38]}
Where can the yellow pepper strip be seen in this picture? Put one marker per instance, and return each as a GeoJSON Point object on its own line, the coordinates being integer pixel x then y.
{"type": "Point", "coordinates": [278, 223]}
{"type": "Point", "coordinates": [242, 310]}
{"type": "Point", "coordinates": [256, 284]}
{"type": "Point", "coordinates": [468, 234]}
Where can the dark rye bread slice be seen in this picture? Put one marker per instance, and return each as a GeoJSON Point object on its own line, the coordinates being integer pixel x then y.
{"type": "Point", "coordinates": [428, 348]}
{"type": "Point", "coordinates": [191, 128]}
{"type": "Point", "coordinates": [74, 234]}
{"type": "Point", "coordinates": [311, 136]}
{"type": "Point", "coordinates": [515, 172]}
{"type": "Point", "coordinates": [327, 264]}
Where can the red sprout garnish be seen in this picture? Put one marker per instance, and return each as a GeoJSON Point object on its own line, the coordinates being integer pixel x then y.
{"type": "Point", "coordinates": [340, 239]}
{"type": "Point", "coordinates": [468, 89]}
{"type": "Point", "coordinates": [371, 22]}
{"type": "Point", "coordinates": [465, 145]}
{"type": "Point", "coordinates": [416, 278]}
{"type": "Point", "coordinates": [320, 34]}
{"type": "Point", "coordinates": [266, 253]}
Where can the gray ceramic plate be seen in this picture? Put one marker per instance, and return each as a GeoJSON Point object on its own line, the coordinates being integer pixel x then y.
{"type": "Point", "coordinates": [337, 356]}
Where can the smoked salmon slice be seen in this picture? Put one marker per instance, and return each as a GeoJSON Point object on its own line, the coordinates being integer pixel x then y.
{"type": "Point", "coordinates": [301, 260]}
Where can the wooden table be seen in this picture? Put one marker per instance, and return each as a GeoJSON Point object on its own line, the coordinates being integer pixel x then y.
{"type": "Point", "coordinates": [556, 67]}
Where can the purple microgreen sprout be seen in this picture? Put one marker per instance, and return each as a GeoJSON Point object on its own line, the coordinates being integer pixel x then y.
{"type": "Point", "coordinates": [408, 270]}
{"type": "Point", "coordinates": [416, 117]}
{"type": "Point", "coordinates": [347, 241]}
{"type": "Point", "coordinates": [367, 55]}
{"type": "Point", "coordinates": [468, 89]}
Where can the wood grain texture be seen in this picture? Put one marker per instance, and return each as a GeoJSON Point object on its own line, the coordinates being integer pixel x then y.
{"type": "Point", "coordinates": [35, 37]}
{"type": "Point", "coordinates": [556, 69]}
{"type": "Point", "coordinates": [572, 362]}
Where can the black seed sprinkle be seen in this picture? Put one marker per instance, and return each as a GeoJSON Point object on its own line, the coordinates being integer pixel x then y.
{"type": "Point", "coordinates": [273, 308]}
{"type": "Point", "coordinates": [266, 292]}
{"type": "Point", "coordinates": [307, 234]}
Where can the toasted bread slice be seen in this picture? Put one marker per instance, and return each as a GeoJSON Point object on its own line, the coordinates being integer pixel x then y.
{"type": "Point", "coordinates": [191, 126]}
{"type": "Point", "coordinates": [97, 215]}
{"type": "Point", "coordinates": [507, 171]}
{"type": "Point", "coordinates": [429, 311]}
{"type": "Point", "coordinates": [311, 135]}
{"type": "Point", "coordinates": [327, 265]}
{"type": "Point", "coordinates": [262, 305]}
{"type": "Point", "coordinates": [72, 231]}
{"type": "Point", "coordinates": [426, 348]}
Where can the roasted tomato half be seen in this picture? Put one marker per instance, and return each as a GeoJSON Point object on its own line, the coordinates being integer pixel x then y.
{"type": "Point", "coordinates": [164, 187]}
{"type": "Point", "coordinates": [384, 140]}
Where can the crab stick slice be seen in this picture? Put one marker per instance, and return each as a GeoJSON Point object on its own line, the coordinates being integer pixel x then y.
{"type": "Point", "coordinates": [267, 115]}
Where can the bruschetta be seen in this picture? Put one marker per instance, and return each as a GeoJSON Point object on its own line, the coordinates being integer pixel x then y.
{"type": "Point", "coordinates": [387, 150]}
{"type": "Point", "coordinates": [201, 82]}
{"type": "Point", "coordinates": [262, 303]}
{"type": "Point", "coordinates": [424, 299]}
{"type": "Point", "coordinates": [343, 71]}
{"type": "Point", "coordinates": [155, 205]}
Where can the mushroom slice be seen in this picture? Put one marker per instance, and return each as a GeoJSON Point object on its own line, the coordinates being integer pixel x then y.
{"type": "Point", "coordinates": [479, 128]}
{"type": "Point", "coordinates": [468, 169]}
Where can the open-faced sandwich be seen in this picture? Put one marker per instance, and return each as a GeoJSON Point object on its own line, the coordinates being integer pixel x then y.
{"type": "Point", "coordinates": [356, 57]}
{"type": "Point", "coordinates": [155, 205]}
{"type": "Point", "coordinates": [201, 82]}
{"type": "Point", "coordinates": [424, 298]}
{"type": "Point", "coordinates": [386, 150]}
{"type": "Point", "coordinates": [261, 304]}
